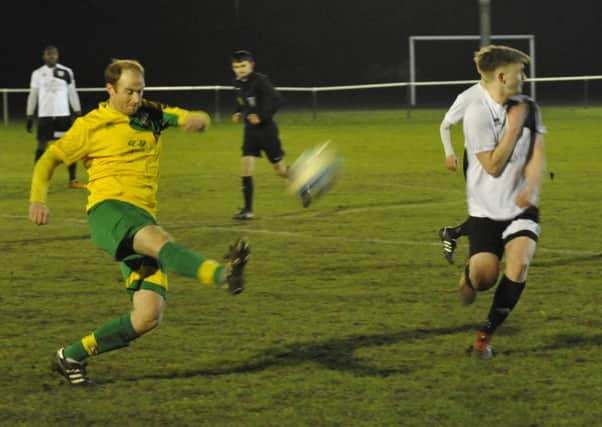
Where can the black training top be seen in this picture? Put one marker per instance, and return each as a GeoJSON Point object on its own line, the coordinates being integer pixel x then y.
{"type": "Point", "coordinates": [256, 95]}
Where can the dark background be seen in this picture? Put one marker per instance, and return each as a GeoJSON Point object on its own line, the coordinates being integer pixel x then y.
{"type": "Point", "coordinates": [298, 43]}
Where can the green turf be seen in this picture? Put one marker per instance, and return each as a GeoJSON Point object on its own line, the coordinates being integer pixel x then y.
{"type": "Point", "coordinates": [351, 316]}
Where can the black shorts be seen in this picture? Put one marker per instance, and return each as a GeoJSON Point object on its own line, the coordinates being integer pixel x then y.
{"type": "Point", "coordinates": [488, 235]}
{"type": "Point", "coordinates": [50, 128]}
{"type": "Point", "coordinates": [263, 138]}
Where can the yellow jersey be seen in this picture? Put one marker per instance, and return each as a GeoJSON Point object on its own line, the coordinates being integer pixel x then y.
{"type": "Point", "coordinates": [120, 152]}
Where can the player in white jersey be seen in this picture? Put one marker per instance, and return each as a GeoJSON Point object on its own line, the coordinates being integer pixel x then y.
{"type": "Point", "coordinates": [504, 148]}
{"type": "Point", "coordinates": [53, 93]}
{"type": "Point", "coordinates": [455, 114]}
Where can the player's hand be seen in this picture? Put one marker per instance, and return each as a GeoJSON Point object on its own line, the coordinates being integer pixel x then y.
{"type": "Point", "coordinates": [517, 114]}
{"type": "Point", "coordinates": [451, 162]}
{"type": "Point", "coordinates": [253, 119]}
{"type": "Point", "coordinates": [198, 120]}
{"type": "Point", "coordinates": [523, 200]}
{"type": "Point", "coordinates": [39, 213]}
{"type": "Point", "coordinates": [236, 117]}
{"type": "Point", "coordinates": [29, 124]}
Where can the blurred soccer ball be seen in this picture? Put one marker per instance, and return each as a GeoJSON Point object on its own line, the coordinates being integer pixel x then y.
{"type": "Point", "coordinates": [315, 170]}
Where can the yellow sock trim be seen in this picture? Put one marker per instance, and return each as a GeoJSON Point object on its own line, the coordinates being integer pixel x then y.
{"type": "Point", "coordinates": [90, 344]}
{"type": "Point", "coordinates": [207, 272]}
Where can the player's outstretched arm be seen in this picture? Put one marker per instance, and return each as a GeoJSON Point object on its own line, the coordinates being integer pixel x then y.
{"type": "Point", "coordinates": [196, 120]}
{"type": "Point", "coordinates": [42, 173]}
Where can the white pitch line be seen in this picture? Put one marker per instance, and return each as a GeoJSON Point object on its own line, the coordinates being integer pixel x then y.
{"type": "Point", "coordinates": [324, 238]}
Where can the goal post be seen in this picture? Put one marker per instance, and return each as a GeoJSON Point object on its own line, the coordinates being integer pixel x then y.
{"type": "Point", "coordinates": [413, 39]}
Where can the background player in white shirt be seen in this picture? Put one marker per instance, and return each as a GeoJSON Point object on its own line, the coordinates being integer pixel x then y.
{"type": "Point", "coordinates": [53, 93]}
{"type": "Point", "coordinates": [504, 148]}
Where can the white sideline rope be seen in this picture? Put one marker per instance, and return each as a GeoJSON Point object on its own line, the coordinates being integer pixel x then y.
{"type": "Point", "coordinates": [326, 88]}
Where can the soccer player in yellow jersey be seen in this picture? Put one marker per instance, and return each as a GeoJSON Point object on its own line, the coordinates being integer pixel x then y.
{"type": "Point", "coordinates": [119, 144]}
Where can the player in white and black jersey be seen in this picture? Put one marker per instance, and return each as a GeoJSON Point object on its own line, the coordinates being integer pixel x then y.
{"type": "Point", "coordinates": [505, 163]}
{"type": "Point", "coordinates": [53, 94]}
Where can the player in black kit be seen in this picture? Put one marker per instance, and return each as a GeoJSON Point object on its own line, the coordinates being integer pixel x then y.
{"type": "Point", "coordinates": [257, 102]}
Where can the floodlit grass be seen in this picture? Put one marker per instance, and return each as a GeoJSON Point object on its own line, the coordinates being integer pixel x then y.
{"type": "Point", "coordinates": [351, 316]}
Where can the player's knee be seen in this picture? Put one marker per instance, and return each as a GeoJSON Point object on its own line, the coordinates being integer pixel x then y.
{"type": "Point", "coordinates": [485, 278]}
{"type": "Point", "coordinates": [145, 322]}
{"type": "Point", "coordinates": [517, 272]}
{"type": "Point", "coordinates": [484, 271]}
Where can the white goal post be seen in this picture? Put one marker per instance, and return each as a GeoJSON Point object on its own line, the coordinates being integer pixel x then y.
{"type": "Point", "coordinates": [414, 39]}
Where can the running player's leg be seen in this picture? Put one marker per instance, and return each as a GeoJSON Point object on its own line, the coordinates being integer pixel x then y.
{"type": "Point", "coordinates": [43, 135]}
{"type": "Point", "coordinates": [520, 238]}
{"type": "Point", "coordinates": [250, 150]}
{"type": "Point", "coordinates": [272, 146]}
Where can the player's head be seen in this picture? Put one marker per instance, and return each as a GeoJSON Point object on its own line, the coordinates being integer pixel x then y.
{"type": "Point", "coordinates": [502, 65]}
{"type": "Point", "coordinates": [243, 63]}
{"type": "Point", "coordinates": [50, 55]}
{"type": "Point", "coordinates": [124, 80]}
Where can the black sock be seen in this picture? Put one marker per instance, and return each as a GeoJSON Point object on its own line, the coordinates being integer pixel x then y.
{"type": "Point", "coordinates": [72, 172]}
{"type": "Point", "coordinates": [247, 191]}
{"type": "Point", "coordinates": [39, 153]}
{"type": "Point", "coordinates": [460, 230]}
{"type": "Point", "coordinates": [506, 296]}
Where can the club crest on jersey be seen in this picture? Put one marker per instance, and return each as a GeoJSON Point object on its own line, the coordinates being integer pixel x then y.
{"type": "Point", "coordinates": [148, 118]}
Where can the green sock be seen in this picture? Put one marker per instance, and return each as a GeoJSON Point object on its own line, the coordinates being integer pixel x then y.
{"type": "Point", "coordinates": [114, 334]}
{"type": "Point", "coordinates": [176, 258]}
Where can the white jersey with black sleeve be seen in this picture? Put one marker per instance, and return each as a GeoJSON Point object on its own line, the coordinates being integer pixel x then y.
{"type": "Point", "coordinates": [484, 125]}
{"type": "Point", "coordinates": [52, 91]}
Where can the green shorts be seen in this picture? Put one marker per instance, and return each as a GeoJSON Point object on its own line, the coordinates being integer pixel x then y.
{"type": "Point", "coordinates": [113, 225]}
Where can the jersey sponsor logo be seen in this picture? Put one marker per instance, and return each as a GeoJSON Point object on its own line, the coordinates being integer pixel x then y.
{"type": "Point", "coordinates": [137, 143]}
{"type": "Point", "coordinates": [61, 74]}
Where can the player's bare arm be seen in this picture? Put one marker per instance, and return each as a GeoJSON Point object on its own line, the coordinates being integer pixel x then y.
{"type": "Point", "coordinates": [39, 213]}
{"type": "Point", "coordinates": [196, 121]}
{"type": "Point", "coordinates": [534, 171]}
{"type": "Point", "coordinates": [451, 161]}
{"type": "Point", "coordinates": [494, 161]}
{"type": "Point", "coordinates": [253, 119]}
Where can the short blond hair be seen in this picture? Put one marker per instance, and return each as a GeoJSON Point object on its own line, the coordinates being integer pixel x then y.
{"type": "Point", "coordinates": [491, 57]}
{"type": "Point", "coordinates": [117, 66]}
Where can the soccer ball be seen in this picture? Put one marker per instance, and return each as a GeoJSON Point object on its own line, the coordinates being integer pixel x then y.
{"type": "Point", "coordinates": [315, 170]}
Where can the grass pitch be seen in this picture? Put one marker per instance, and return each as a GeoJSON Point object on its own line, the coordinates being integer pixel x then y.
{"type": "Point", "coordinates": [351, 315]}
